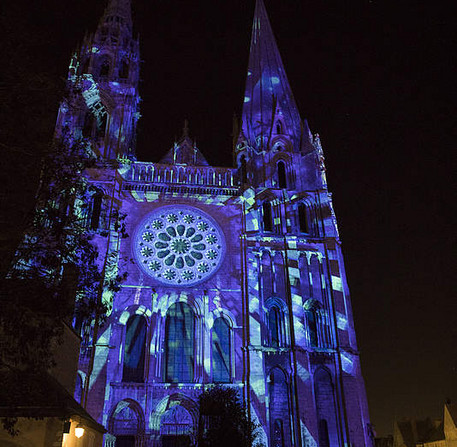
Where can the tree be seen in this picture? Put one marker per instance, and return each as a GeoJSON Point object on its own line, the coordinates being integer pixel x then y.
{"type": "Point", "coordinates": [54, 272]}
{"type": "Point", "coordinates": [224, 420]}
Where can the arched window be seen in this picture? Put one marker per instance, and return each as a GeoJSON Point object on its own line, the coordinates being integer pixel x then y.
{"type": "Point", "coordinates": [282, 178]}
{"type": "Point", "coordinates": [276, 323]}
{"type": "Point", "coordinates": [124, 70]}
{"type": "Point", "coordinates": [134, 349]}
{"type": "Point", "coordinates": [279, 408]}
{"type": "Point", "coordinates": [278, 127]}
{"type": "Point", "coordinates": [221, 351]}
{"type": "Point", "coordinates": [274, 326]}
{"type": "Point", "coordinates": [311, 320]}
{"type": "Point", "coordinates": [326, 409]}
{"type": "Point", "coordinates": [179, 343]}
{"type": "Point", "coordinates": [303, 218]}
{"type": "Point", "coordinates": [267, 217]}
{"type": "Point", "coordinates": [104, 69]}
{"type": "Point", "coordinates": [97, 201]}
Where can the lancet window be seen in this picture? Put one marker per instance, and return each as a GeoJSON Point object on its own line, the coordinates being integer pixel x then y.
{"type": "Point", "coordinates": [276, 324]}
{"type": "Point", "coordinates": [267, 216]}
{"type": "Point", "coordinates": [303, 220]}
{"type": "Point", "coordinates": [134, 349]}
{"type": "Point", "coordinates": [282, 175]}
{"type": "Point", "coordinates": [179, 343]}
{"type": "Point", "coordinates": [221, 351]}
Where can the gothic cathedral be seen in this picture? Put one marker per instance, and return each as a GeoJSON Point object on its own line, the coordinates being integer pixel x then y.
{"type": "Point", "coordinates": [235, 275]}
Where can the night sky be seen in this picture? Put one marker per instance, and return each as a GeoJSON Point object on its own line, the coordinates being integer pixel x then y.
{"type": "Point", "coordinates": [374, 79]}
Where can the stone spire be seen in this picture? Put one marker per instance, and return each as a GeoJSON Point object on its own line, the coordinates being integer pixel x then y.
{"type": "Point", "coordinates": [268, 96]}
{"type": "Point", "coordinates": [118, 12]}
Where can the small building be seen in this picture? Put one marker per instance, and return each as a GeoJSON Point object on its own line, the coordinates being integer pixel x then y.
{"type": "Point", "coordinates": [428, 432]}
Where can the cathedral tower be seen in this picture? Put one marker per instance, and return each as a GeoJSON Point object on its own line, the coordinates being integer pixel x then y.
{"type": "Point", "coordinates": [104, 72]}
{"type": "Point", "coordinates": [237, 275]}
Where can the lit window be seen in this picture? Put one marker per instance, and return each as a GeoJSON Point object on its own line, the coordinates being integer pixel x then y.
{"type": "Point", "coordinates": [221, 351]}
{"type": "Point", "coordinates": [134, 351]}
{"type": "Point", "coordinates": [179, 343]}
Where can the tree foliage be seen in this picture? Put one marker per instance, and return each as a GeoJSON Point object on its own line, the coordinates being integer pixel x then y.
{"type": "Point", "coordinates": [224, 420]}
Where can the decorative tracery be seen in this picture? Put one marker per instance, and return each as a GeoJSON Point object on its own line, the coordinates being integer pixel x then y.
{"type": "Point", "coordinates": [179, 245]}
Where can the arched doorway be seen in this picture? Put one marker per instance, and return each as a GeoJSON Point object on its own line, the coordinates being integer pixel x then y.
{"type": "Point", "coordinates": [176, 427]}
{"type": "Point", "coordinates": [126, 423]}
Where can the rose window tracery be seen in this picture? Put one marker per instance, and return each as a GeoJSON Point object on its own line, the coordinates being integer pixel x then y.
{"type": "Point", "coordinates": [179, 245]}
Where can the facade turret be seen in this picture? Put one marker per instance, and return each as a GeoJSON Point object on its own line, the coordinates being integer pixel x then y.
{"type": "Point", "coordinates": [103, 105]}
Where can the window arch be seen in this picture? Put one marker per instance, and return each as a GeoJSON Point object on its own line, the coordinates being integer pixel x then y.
{"type": "Point", "coordinates": [279, 129]}
{"type": "Point", "coordinates": [279, 408]}
{"type": "Point", "coordinates": [282, 175]}
{"type": "Point", "coordinates": [221, 349]}
{"type": "Point", "coordinates": [134, 349]}
{"type": "Point", "coordinates": [311, 320]}
{"type": "Point", "coordinates": [303, 221]}
{"type": "Point", "coordinates": [276, 323]}
{"type": "Point", "coordinates": [325, 408]}
{"type": "Point", "coordinates": [274, 326]}
{"type": "Point", "coordinates": [267, 216]}
{"type": "Point", "coordinates": [179, 343]}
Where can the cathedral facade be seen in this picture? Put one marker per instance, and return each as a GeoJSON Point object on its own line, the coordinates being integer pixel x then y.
{"type": "Point", "coordinates": [235, 274]}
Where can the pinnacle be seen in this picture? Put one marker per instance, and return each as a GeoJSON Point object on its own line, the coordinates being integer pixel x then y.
{"type": "Point", "coordinates": [267, 87]}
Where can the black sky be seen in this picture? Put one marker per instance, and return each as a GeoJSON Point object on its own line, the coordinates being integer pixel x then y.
{"type": "Point", "coordinates": [375, 79]}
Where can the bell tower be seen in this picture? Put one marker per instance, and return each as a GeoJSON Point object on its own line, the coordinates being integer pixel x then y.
{"type": "Point", "coordinates": [103, 105]}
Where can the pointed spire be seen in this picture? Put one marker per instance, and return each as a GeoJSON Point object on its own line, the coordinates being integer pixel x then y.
{"type": "Point", "coordinates": [267, 89]}
{"type": "Point", "coordinates": [118, 8]}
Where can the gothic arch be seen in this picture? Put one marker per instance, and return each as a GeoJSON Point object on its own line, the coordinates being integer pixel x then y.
{"type": "Point", "coordinates": [132, 411]}
{"type": "Point", "coordinates": [326, 411]}
{"type": "Point", "coordinates": [276, 314]}
{"type": "Point", "coordinates": [166, 404]}
{"type": "Point", "coordinates": [279, 403]}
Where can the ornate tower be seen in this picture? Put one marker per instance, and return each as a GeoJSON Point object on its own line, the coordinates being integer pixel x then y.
{"type": "Point", "coordinates": [237, 275]}
{"type": "Point", "coordinates": [104, 74]}
{"type": "Point", "coordinates": [304, 380]}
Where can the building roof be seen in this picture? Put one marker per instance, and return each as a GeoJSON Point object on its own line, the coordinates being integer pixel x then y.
{"type": "Point", "coordinates": [31, 395]}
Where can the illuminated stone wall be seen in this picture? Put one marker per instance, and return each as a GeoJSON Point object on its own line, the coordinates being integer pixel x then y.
{"type": "Point", "coordinates": [256, 245]}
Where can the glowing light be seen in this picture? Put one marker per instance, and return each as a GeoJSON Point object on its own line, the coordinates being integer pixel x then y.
{"type": "Point", "coordinates": [246, 99]}
{"type": "Point", "coordinates": [79, 432]}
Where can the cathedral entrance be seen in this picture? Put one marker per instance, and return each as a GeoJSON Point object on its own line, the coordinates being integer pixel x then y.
{"type": "Point", "coordinates": [175, 441]}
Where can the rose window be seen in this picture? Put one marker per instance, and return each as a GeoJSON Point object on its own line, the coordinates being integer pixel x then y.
{"type": "Point", "coordinates": [179, 245]}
